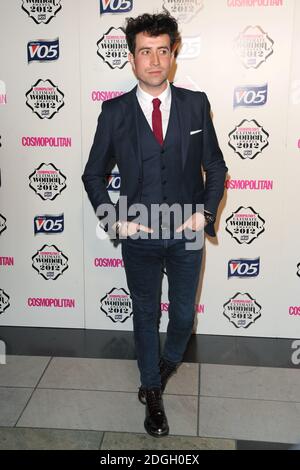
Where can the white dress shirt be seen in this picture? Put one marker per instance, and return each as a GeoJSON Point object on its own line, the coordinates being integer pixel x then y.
{"type": "Point", "coordinates": [145, 102]}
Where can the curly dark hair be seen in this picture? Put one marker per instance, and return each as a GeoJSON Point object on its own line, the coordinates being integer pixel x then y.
{"type": "Point", "coordinates": [154, 25]}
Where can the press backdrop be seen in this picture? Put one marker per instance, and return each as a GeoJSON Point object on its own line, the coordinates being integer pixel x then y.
{"type": "Point", "coordinates": [60, 59]}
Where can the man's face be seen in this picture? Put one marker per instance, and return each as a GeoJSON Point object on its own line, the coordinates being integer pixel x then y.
{"type": "Point", "coordinates": [152, 61]}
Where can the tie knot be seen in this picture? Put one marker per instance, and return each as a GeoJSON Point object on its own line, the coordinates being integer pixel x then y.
{"type": "Point", "coordinates": [156, 103]}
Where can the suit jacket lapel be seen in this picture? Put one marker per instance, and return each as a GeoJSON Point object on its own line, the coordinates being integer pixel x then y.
{"type": "Point", "coordinates": [131, 117]}
{"type": "Point", "coordinates": [184, 119]}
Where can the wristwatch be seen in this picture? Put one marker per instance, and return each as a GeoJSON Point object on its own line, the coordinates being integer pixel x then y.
{"type": "Point", "coordinates": [108, 228]}
{"type": "Point", "coordinates": [209, 218]}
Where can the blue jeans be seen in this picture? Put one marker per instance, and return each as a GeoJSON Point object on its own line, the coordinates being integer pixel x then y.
{"type": "Point", "coordinates": [144, 261]}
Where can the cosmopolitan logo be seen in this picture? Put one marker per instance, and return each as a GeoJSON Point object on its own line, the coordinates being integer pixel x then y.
{"type": "Point", "coordinates": [250, 96]}
{"type": "Point", "coordinates": [50, 302]}
{"type": "Point", "coordinates": [43, 51]}
{"type": "Point", "coordinates": [7, 261]}
{"type": "Point", "coordinates": [4, 301]}
{"type": "Point", "coordinates": [183, 10]}
{"type": "Point", "coordinates": [108, 263]}
{"type": "Point", "coordinates": [243, 268]}
{"type": "Point", "coordinates": [244, 225]}
{"type": "Point", "coordinates": [190, 47]}
{"type": "Point", "coordinates": [47, 181]}
{"type": "Point", "coordinates": [113, 182]}
{"type": "Point", "coordinates": [164, 307]}
{"type": "Point", "coordinates": [242, 310]}
{"type": "Point", "coordinates": [44, 99]}
{"type": "Point", "coordinates": [29, 141]}
{"type": "Point", "coordinates": [2, 93]}
{"type": "Point", "coordinates": [294, 310]}
{"type": "Point", "coordinates": [2, 223]}
{"type": "Point", "coordinates": [41, 11]}
{"type": "Point", "coordinates": [113, 49]}
{"type": "Point", "coordinates": [117, 305]}
{"type": "Point", "coordinates": [105, 95]}
{"type": "Point", "coordinates": [254, 3]}
{"type": "Point", "coordinates": [115, 6]}
{"type": "Point", "coordinates": [248, 139]}
{"type": "Point", "coordinates": [49, 262]}
{"type": "Point", "coordinates": [253, 46]}
{"type": "Point", "coordinates": [251, 185]}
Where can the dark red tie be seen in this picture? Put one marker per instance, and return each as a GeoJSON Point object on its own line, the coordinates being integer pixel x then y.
{"type": "Point", "coordinates": [157, 121]}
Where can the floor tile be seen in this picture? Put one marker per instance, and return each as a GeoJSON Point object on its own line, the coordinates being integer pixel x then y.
{"type": "Point", "coordinates": [126, 441]}
{"type": "Point", "coordinates": [91, 374]}
{"type": "Point", "coordinates": [12, 403]}
{"type": "Point", "coordinates": [257, 420]}
{"type": "Point", "coordinates": [104, 411]}
{"type": "Point", "coordinates": [264, 383]}
{"type": "Point", "coordinates": [185, 381]}
{"type": "Point", "coordinates": [86, 410]}
{"type": "Point", "coordinates": [22, 371]}
{"type": "Point", "coordinates": [112, 374]}
{"type": "Point", "coordinates": [48, 439]}
{"type": "Point", "coordinates": [182, 414]}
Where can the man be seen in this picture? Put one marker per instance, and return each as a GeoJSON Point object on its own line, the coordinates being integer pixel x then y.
{"type": "Point", "coordinates": [161, 137]}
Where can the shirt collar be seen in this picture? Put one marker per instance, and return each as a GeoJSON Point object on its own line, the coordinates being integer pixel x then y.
{"type": "Point", "coordinates": [146, 98]}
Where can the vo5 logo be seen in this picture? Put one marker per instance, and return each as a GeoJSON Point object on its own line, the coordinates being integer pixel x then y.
{"type": "Point", "coordinates": [49, 224]}
{"type": "Point", "coordinates": [41, 50]}
{"type": "Point", "coordinates": [250, 96]}
{"type": "Point", "coordinates": [190, 48]}
{"type": "Point", "coordinates": [115, 6]}
{"type": "Point", "coordinates": [113, 182]}
{"type": "Point", "coordinates": [243, 267]}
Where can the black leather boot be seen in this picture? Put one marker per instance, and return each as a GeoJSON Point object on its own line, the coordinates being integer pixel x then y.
{"type": "Point", "coordinates": [166, 371]}
{"type": "Point", "coordinates": [156, 423]}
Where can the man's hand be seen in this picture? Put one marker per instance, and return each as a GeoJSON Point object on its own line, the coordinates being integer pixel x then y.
{"type": "Point", "coordinates": [127, 229]}
{"type": "Point", "coordinates": [196, 223]}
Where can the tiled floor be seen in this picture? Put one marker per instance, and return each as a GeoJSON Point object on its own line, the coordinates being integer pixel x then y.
{"type": "Point", "coordinates": [86, 403]}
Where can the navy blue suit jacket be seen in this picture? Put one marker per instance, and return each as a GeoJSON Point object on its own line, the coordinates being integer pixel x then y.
{"type": "Point", "coordinates": [116, 138]}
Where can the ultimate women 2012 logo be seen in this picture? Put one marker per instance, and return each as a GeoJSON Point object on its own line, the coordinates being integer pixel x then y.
{"type": "Point", "coordinates": [113, 48]}
{"type": "Point", "coordinates": [253, 46]}
{"type": "Point", "coordinates": [4, 301]}
{"type": "Point", "coordinates": [242, 310]}
{"type": "Point", "coordinates": [2, 223]}
{"type": "Point", "coordinates": [184, 10]}
{"type": "Point", "coordinates": [47, 181]}
{"type": "Point", "coordinates": [245, 225]}
{"type": "Point", "coordinates": [41, 11]}
{"type": "Point", "coordinates": [248, 139]}
{"type": "Point", "coordinates": [50, 262]}
{"type": "Point", "coordinates": [44, 99]}
{"type": "Point", "coordinates": [117, 305]}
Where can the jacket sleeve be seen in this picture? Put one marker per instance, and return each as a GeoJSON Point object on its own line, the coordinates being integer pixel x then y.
{"type": "Point", "coordinates": [100, 154]}
{"type": "Point", "coordinates": [213, 164]}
